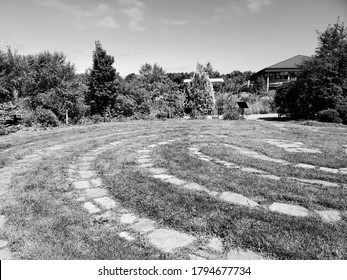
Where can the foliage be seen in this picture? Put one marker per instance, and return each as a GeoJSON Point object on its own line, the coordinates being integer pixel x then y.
{"type": "Point", "coordinates": [199, 94]}
{"type": "Point", "coordinates": [103, 81]}
{"type": "Point", "coordinates": [46, 117]}
{"type": "Point", "coordinates": [236, 82]}
{"type": "Point", "coordinates": [329, 115]}
{"type": "Point", "coordinates": [342, 110]}
{"type": "Point", "coordinates": [322, 82]}
{"type": "Point", "coordinates": [12, 66]}
{"type": "Point", "coordinates": [226, 105]}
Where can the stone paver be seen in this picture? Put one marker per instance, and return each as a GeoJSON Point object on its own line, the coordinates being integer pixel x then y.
{"type": "Point", "coordinates": [271, 177]}
{"type": "Point", "coordinates": [146, 165]}
{"type": "Point", "coordinates": [81, 185]}
{"type": "Point", "coordinates": [106, 202]}
{"type": "Point", "coordinates": [244, 255]}
{"type": "Point", "coordinates": [126, 235]}
{"type": "Point", "coordinates": [343, 170]}
{"type": "Point", "coordinates": [144, 156]}
{"type": "Point", "coordinates": [87, 174]}
{"type": "Point", "coordinates": [157, 170]}
{"type": "Point", "coordinates": [162, 176]}
{"type": "Point", "coordinates": [168, 240]}
{"type": "Point", "coordinates": [289, 209]}
{"type": "Point", "coordinates": [6, 254]}
{"type": "Point", "coordinates": [175, 181]}
{"type": "Point", "coordinates": [303, 165]}
{"type": "Point", "coordinates": [3, 243]}
{"type": "Point", "coordinates": [96, 182]}
{"type": "Point", "coordinates": [2, 221]}
{"type": "Point", "coordinates": [330, 170]}
{"type": "Point", "coordinates": [315, 182]}
{"type": "Point", "coordinates": [215, 244]}
{"type": "Point", "coordinates": [144, 225]}
{"type": "Point", "coordinates": [144, 160]}
{"type": "Point", "coordinates": [128, 218]}
{"type": "Point", "coordinates": [329, 216]}
{"type": "Point", "coordinates": [236, 198]}
{"type": "Point", "coordinates": [96, 192]}
{"type": "Point", "coordinates": [91, 208]}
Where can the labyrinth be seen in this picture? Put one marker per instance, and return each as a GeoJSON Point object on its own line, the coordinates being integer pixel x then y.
{"type": "Point", "coordinates": [175, 189]}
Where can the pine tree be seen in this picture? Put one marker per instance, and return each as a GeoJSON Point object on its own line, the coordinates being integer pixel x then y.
{"type": "Point", "coordinates": [102, 82]}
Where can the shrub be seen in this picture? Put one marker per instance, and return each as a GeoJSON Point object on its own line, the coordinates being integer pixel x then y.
{"type": "Point", "coordinates": [342, 110]}
{"type": "Point", "coordinates": [329, 115]}
{"type": "Point", "coordinates": [29, 119]}
{"type": "Point", "coordinates": [232, 110]}
{"type": "Point", "coordinates": [97, 118]}
{"type": "Point", "coordinates": [46, 117]}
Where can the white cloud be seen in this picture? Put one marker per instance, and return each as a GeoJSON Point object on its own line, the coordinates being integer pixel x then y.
{"type": "Point", "coordinates": [98, 15]}
{"type": "Point", "coordinates": [134, 9]}
{"type": "Point", "coordinates": [254, 6]}
{"type": "Point", "coordinates": [107, 21]}
{"type": "Point", "coordinates": [176, 22]}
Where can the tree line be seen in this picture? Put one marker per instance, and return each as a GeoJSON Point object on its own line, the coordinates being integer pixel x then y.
{"type": "Point", "coordinates": [48, 89]}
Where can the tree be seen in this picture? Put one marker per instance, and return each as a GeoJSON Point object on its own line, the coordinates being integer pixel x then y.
{"type": "Point", "coordinates": [12, 69]}
{"type": "Point", "coordinates": [322, 82]}
{"type": "Point", "coordinates": [210, 71]}
{"type": "Point", "coordinates": [103, 82]}
{"type": "Point", "coordinates": [199, 93]}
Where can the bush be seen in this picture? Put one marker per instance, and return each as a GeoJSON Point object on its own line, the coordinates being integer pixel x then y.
{"type": "Point", "coordinates": [97, 118]}
{"type": "Point", "coordinates": [329, 115]}
{"type": "Point", "coordinates": [342, 110]}
{"type": "Point", "coordinates": [46, 117]}
{"type": "Point", "coordinates": [232, 110]}
{"type": "Point", "coordinates": [29, 119]}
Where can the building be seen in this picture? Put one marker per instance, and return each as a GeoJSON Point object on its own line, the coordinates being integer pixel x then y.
{"type": "Point", "coordinates": [279, 73]}
{"type": "Point", "coordinates": [213, 80]}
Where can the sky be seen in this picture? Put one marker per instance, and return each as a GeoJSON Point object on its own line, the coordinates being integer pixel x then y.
{"type": "Point", "coordinates": [177, 34]}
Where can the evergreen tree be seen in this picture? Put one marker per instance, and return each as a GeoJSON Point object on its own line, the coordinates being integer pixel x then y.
{"type": "Point", "coordinates": [103, 82]}
{"type": "Point", "coordinates": [200, 98]}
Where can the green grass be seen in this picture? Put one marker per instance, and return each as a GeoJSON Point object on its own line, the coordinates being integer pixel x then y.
{"type": "Point", "coordinates": [44, 222]}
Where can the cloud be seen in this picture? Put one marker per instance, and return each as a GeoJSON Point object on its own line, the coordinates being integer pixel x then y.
{"type": "Point", "coordinates": [176, 22]}
{"type": "Point", "coordinates": [239, 8]}
{"type": "Point", "coordinates": [107, 21]}
{"type": "Point", "coordinates": [254, 6]}
{"type": "Point", "coordinates": [134, 9]}
{"type": "Point", "coordinates": [98, 15]}
{"type": "Point", "coordinates": [75, 10]}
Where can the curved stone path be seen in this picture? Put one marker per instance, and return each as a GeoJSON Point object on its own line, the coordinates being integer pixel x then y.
{"type": "Point", "coordinates": [103, 208]}
{"type": "Point", "coordinates": [22, 165]}
{"type": "Point", "coordinates": [260, 156]}
{"type": "Point", "coordinates": [283, 208]}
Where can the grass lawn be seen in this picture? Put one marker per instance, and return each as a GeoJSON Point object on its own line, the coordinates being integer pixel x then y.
{"type": "Point", "coordinates": [45, 222]}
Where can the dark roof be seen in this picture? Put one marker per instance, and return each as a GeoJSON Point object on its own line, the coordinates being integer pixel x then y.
{"type": "Point", "coordinates": [285, 65]}
{"type": "Point", "coordinates": [292, 62]}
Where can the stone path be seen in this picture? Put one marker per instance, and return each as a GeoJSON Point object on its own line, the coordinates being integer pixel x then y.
{"type": "Point", "coordinates": [293, 147]}
{"type": "Point", "coordinates": [95, 199]}
{"type": "Point", "coordinates": [6, 175]}
{"type": "Point", "coordinates": [257, 155]}
{"type": "Point", "coordinates": [288, 209]}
